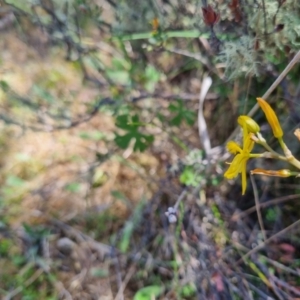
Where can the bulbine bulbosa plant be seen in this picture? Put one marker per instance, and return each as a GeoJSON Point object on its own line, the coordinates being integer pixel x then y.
{"type": "Point", "coordinates": [252, 135]}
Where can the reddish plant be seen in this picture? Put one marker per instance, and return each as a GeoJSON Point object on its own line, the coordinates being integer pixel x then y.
{"type": "Point", "coordinates": [235, 9]}
{"type": "Point", "coordinates": [210, 16]}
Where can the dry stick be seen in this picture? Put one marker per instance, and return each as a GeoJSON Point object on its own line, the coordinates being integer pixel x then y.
{"type": "Point", "coordinates": [130, 273]}
{"type": "Point", "coordinates": [270, 90]}
{"type": "Point", "coordinates": [286, 286]}
{"type": "Point", "coordinates": [252, 209]}
{"type": "Point", "coordinates": [180, 198]}
{"type": "Point", "coordinates": [282, 267]}
{"type": "Point", "coordinates": [260, 219]}
{"type": "Point", "coordinates": [202, 127]}
{"type": "Point", "coordinates": [262, 245]}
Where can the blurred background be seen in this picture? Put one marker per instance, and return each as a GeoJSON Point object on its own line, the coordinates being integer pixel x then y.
{"type": "Point", "coordinates": [101, 150]}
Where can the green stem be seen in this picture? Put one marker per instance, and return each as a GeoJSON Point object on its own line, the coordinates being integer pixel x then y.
{"type": "Point", "coordinates": [167, 34]}
{"type": "Point", "coordinates": [289, 156]}
{"type": "Point", "coordinates": [267, 147]}
{"type": "Point", "coordinates": [268, 155]}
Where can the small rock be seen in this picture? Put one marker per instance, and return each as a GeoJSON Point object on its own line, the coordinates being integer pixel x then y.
{"type": "Point", "coordinates": [65, 245]}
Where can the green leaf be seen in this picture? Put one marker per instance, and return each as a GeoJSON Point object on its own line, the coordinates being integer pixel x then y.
{"type": "Point", "coordinates": [176, 121]}
{"type": "Point", "coordinates": [130, 226]}
{"type": "Point", "coordinates": [189, 177]}
{"type": "Point", "coordinates": [152, 76]}
{"type": "Point", "coordinates": [135, 120]}
{"type": "Point", "coordinates": [142, 141]}
{"type": "Point", "coordinates": [119, 77]}
{"type": "Point", "coordinates": [148, 292]}
{"type": "Point", "coordinates": [4, 86]}
{"type": "Point", "coordinates": [127, 232]}
{"type": "Point", "coordinates": [5, 245]}
{"type": "Point", "coordinates": [102, 273]}
{"type": "Point", "coordinates": [95, 136]}
{"type": "Point", "coordinates": [15, 181]}
{"type": "Point", "coordinates": [100, 178]}
{"type": "Point", "coordinates": [120, 64]}
{"type": "Point", "coordinates": [73, 187]}
{"type": "Point", "coordinates": [43, 94]}
{"type": "Point", "coordinates": [181, 114]}
{"type": "Point", "coordinates": [123, 140]}
{"type": "Point", "coordinates": [118, 195]}
{"type": "Point", "coordinates": [188, 290]}
{"type": "Point", "coordinates": [123, 122]}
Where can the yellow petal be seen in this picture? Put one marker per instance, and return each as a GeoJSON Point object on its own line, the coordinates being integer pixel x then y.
{"type": "Point", "coordinates": [244, 177]}
{"type": "Point", "coordinates": [233, 147]}
{"type": "Point", "coordinates": [271, 117]}
{"type": "Point", "coordinates": [251, 125]}
{"type": "Point", "coordinates": [249, 143]}
{"type": "Point", "coordinates": [234, 168]}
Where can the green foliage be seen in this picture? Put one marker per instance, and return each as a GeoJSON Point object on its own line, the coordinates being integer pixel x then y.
{"type": "Point", "coordinates": [240, 57]}
{"type": "Point", "coordinates": [151, 77]}
{"type": "Point", "coordinates": [272, 214]}
{"type": "Point", "coordinates": [42, 94]}
{"type": "Point", "coordinates": [4, 86]}
{"type": "Point", "coordinates": [119, 73]}
{"type": "Point", "coordinates": [181, 114]}
{"type": "Point", "coordinates": [130, 226]}
{"type": "Point", "coordinates": [73, 187]}
{"type": "Point", "coordinates": [148, 293]}
{"type": "Point", "coordinates": [97, 224]}
{"type": "Point", "coordinates": [5, 245]}
{"type": "Point", "coordinates": [250, 53]}
{"type": "Point", "coordinates": [14, 181]}
{"type": "Point", "coordinates": [188, 290]}
{"type": "Point", "coordinates": [132, 125]}
{"type": "Point", "coordinates": [100, 273]}
{"type": "Point", "coordinates": [36, 234]}
{"type": "Point", "coordinates": [189, 177]}
{"type": "Point", "coordinates": [92, 135]}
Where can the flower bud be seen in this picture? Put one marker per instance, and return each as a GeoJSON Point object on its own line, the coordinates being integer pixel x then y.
{"type": "Point", "coordinates": [278, 173]}
{"type": "Point", "coordinates": [210, 16]}
{"type": "Point", "coordinates": [271, 117]}
{"type": "Point", "coordinates": [250, 124]}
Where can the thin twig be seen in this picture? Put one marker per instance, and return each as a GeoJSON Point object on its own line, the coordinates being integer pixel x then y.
{"type": "Point", "coordinates": [286, 285]}
{"type": "Point", "coordinates": [195, 56]}
{"type": "Point", "coordinates": [127, 278]}
{"type": "Point", "coordinates": [120, 294]}
{"type": "Point", "coordinates": [262, 245]}
{"type": "Point", "coordinates": [260, 219]}
{"type": "Point", "coordinates": [180, 198]}
{"type": "Point", "coordinates": [281, 266]}
{"type": "Point", "coordinates": [252, 209]}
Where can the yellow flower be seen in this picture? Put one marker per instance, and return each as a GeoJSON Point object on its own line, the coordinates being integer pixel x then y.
{"type": "Point", "coordinates": [239, 163]}
{"type": "Point", "coordinates": [271, 117]}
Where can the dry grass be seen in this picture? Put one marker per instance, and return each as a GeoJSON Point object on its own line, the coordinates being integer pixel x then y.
{"type": "Point", "coordinates": [49, 161]}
